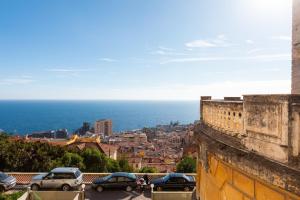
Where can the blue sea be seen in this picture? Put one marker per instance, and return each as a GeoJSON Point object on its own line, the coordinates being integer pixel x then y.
{"type": "Point", "coordinates": [22, 117]}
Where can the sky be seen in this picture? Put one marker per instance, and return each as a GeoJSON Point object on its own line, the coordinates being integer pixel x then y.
{"type": "Point", "coordinates": [144, 49]}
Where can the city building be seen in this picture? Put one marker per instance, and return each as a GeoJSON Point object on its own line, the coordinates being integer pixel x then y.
{"type": "Point", "coordinates": [82, 143]}
{"type": "Point", "coordinates": [86, 127]}
{"type": "Point", "coordinates": [250, 148]}
{"type": "Point", "coordinates": [55, 134]}
{"type": "Point", "coordinates": [103, 127]}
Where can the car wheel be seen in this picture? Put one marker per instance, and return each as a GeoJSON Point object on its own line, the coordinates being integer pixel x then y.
{"type": "Point", "coordinates": [99, 188]}
{"type": "Point", "coordinates": [35, 187]}
{"type": "Point", "coordinates": [128, 188]}
{"type": "Point", "coordinates": [2, 188]}
{"type": "Point", "coordinates": [159, 188]}
{"type": "Point", "coordinates": [186, 189]}
{"type": "Point", "coordinates": [66, 187]}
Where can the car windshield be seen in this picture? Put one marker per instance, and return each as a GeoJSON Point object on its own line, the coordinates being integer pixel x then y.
{"type": "Point", "coordinates": [132, 176]}
{"type": "Point", "coordinates": [189, 178]}
{"type": "Point", "coordinates": [77, 173]}
{"type": "Point", "coordinates": [165, 178]}
{"type": "Point", "coordinates": [3, 176]}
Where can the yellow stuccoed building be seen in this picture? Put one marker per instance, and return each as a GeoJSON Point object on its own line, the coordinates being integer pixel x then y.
{"type": "Point", "coordinates": [249, 148]}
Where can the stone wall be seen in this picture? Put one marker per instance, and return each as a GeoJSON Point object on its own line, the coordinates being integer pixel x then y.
{"type": "Point", "coordinates": [295, 137]}
{"type": "Point", "coordinates": [267, 123]}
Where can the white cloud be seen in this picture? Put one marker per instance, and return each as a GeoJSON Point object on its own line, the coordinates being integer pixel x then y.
{"type": "Point", "coordinates": [200, 43]}
{"type": "Point", "coordinates": [67, 70]}
{"type": "Point", "coordinates": [255, 50]}
{"type": "Point", "coordinates": [166, 48]}
{"type": "Point", "coordinates": [266, 57]}
{"type": "Point", "coordinates": [282, 37]}
{"type": "Point", "coordinates": [219, 41]}
{"type": "Point", "coordinates": [107, 60]}
{"type": "Point", "coordinates": [238, 88]}
{"type": "Point", "coordinates": [16, 81]}
{"type": "Point", "coordinates": [165, 92]}
{"type": "Point", "coordinates": [249, 41]}
{"type": "Point", "coordinates": [165, 51]}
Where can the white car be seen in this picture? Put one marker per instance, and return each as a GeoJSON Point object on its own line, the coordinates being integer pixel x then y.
{"type": "Point", "coordinates": [64, 178]}
{"type": "Point", "coordinates": [6, 182]}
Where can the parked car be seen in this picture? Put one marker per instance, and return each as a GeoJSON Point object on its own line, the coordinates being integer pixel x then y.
{"type": "Point", "coordinates": [64, 178]}
{"type": "Point", "coordinates": [6, 182]}
{"type": "Point", "coordinates": [118, 180]}
{"type": "Point", "coordinates": [174, 181]}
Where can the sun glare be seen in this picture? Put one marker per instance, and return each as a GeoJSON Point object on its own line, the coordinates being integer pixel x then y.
{"type": "Point", "coordinates": [271, 3]}
{"type": "Point", "coordinates": [269, 7]}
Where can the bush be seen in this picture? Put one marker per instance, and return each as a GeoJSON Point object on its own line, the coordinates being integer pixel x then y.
{"type": "Point", "coordinates": [13, 196]}
{"type": "Point", "coordinates": [148, 170]}
{"type": "Point", "coordinates": [186, 165]}
{"type": "Point", "coordinates": [124, 165]}
{"type": "Point", "coordinates": [113, 165]}
{"type": "Point", "coordinates": [94, 161]}
{"type": "Point", "coordinates": [72, 160]}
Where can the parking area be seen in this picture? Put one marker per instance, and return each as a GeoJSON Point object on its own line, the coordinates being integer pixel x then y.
{"type": "Point", "coordinates": [91, 194]}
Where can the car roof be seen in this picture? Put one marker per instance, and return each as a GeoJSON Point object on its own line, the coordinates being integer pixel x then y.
{"type": "Point", "coordinates": [176, 175]}
{"type": "Point", "coordinates": [122, 174]}
{"type": "Point", "coordinates": [64, 170]}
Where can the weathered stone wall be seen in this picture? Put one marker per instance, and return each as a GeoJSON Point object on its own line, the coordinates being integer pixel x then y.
{"type": "Point", "coordinates": [295, 137]}
{"type": "Point", "coordinates": [267, 125]}
{"type": "Point", "coordinates": [296, 48]}
{"type": "Point", "coordinates": [225, 116]}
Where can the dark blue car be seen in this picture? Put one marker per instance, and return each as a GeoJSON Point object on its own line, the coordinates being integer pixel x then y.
{"type": "Point", "coordinates": [118, 180]}
{"type": "Point", "coordinates": [174, 181]}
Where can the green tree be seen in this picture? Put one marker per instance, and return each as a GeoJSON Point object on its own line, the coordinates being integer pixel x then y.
{"type": "Point", "coordinates": [17, 155]}
{"type": "Point", "coordinates": [148, 170]}
{"type": "Point", "coordinates": [72, 160]}
{"type": "Point", "coordinates": [113, 165]}
{"type": "Point", "coordinates": [94, 160]}
{"type": "Point", "coordinates": [124, 165]}
{"type": "Point", "coordinates": [186, 165]}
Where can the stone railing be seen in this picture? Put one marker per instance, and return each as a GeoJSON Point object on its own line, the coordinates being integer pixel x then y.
{"type": "Point", "coordinates": [225, 115]}
{"type": "Point", "coordinates": [265, 124]}
{"type": "Point", "coordinates": [50, 195]}
{"type": "Point", "coordinates": [25, 178]}
{"type": "Point", "coordinates": [171, 195]}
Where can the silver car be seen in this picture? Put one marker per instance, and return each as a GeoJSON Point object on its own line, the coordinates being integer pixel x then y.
{"type": "Point", "coordinates": [64, 178]}
{"type": "Point", "coordinates": [6, 182]}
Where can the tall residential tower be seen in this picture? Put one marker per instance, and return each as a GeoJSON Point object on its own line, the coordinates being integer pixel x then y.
{"type": "Point", "coordinates": [103, 126]}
